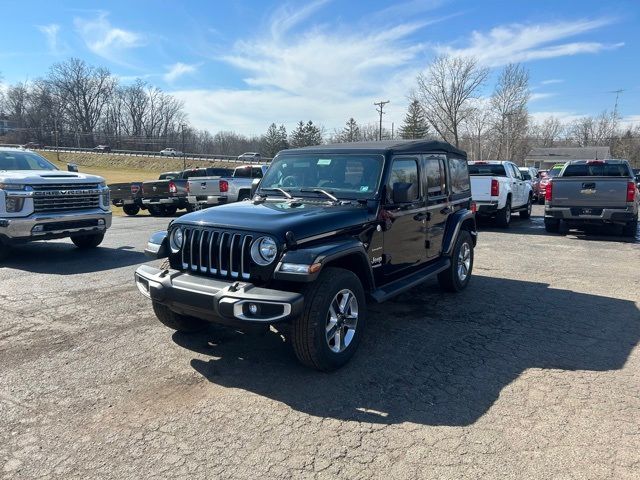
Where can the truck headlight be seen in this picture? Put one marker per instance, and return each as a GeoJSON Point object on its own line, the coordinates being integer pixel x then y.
{"type": "Point", "coordinates": [14, 204]}
{"type": "Point", "coordinates": [177, 239]}
{"type": "Point", "coordinates": [264, 250]}
{"type": "Point", "coordinates": [12, 186]}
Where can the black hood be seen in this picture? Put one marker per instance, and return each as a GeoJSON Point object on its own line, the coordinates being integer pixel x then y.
{"type": "Point", "coordinates": [304, 219]}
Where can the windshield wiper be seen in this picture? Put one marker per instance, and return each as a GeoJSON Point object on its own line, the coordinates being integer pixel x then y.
{"type": "Point", "coordinates": [277, 189]}
{"type": "Point", "coordinates": [323, 192]}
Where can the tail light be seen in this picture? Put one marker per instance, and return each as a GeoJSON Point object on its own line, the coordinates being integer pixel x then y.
{"type": "Point", "coordinates": [474, 207]}
{"type": "Point", "coordinates": [188, 188]}
{"type": "Point", "coordinates": [495, 188]}
{"type": "Point", "coordinates": [631, 192]}
{"type": "Point", "coordinates": [548, 192]}
{"type": "Point", "coordinates": [224, 186]}
{"type": "Point", "coordinates": [172, 187]}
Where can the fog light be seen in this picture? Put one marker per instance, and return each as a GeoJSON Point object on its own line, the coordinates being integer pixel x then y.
{"type": "Point", "coordinates": [101, 222]}
{"type": "Point", "coordinates": [38, 228]}
{"type": "Point", "coordinates": [253, 309]}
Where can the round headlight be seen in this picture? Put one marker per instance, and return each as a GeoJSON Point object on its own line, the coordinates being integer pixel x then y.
{"type": "Point", "coordinates": [264, 251]}
{"type": "Point", "coordinates": [177, 238]}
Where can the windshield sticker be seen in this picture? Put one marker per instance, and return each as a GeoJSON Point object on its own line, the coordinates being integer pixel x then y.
{"type": "Point", "coordinates": [364, 188]}
{"type": "Point", "coordinates": [324, 161]}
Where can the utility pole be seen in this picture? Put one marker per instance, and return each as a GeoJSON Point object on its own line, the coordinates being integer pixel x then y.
{"type": "Point", "coordinates": [184, 155]}
{"type": "Point", "coordinates": [380, 106]}
{"type": "Point", "coordinates": [615, 106]}
{"type": "Point", "coordinates": [392, 128]}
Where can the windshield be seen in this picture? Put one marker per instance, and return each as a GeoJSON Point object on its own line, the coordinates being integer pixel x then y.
{"type": "Point", "coordinates": [488, 169]}
{"type": "Point", "coordinates": [342, 175]}
{"type": "Point", "coordinates": [19, 160]}
{"type": "Point", "coordinates": [599, 169]}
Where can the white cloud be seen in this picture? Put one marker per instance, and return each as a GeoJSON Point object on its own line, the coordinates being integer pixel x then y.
{"type": "Point", "coordinates": [551, 81]}
{"type": "Point", "coordinates": [541, 96]}
{"type": "Point", "coordinates": [105, 40]}
{"type": "Point", "coordinates": [51, 31]}
{"type": "Point", "coordinates": [522, 43]}
{"type": "Point", "coordinates": [177, 70]}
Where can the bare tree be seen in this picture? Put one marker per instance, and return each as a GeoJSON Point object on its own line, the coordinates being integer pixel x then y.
{"type": "Point", "coordinates": [445, 91]}
{"type": "Point", "coordinates": [547, 133]}
{"type": "Point", "coordinates": [135, 101]}
{"type": "Point", "coordinates": [477, 125]}
{"type": "Point", "coordinates": [592, 131]}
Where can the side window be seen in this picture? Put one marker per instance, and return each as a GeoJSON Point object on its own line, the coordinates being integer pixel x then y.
{"type": "Point", "coordinates": [459, 181]}
{"type": "Point", "coordinates": [516, 172]}
{"type": "Point", "coordinates": [257, 172]}
{"type": "Point", "coordinates": [435, 177]}
{"type": "Point", "coordinates": [404, 171]}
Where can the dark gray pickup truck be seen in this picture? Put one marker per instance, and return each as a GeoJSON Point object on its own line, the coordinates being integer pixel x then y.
{"type": "Point", "coordinates": [593, 192]}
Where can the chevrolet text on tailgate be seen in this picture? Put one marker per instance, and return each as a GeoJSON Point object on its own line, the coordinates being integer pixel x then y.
{"type": "Point", "coordinates": [593, 192]}
{"type": "Point", "coordinates": [328, 229]}
{"type": "Point", "coordinates": [40, 202]}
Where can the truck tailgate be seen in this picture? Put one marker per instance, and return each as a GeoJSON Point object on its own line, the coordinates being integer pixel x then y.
{"type": "Point", "coordinates": [589, 192]}
{"type": "Point", "coordinates": [204, 186]}
{"type": "Point", "coordinates": [481, 188]}
{"type": "Point", "coordinates": [155, 188]}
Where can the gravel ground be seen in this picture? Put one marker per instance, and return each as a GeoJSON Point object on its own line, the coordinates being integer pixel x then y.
{"type": "Point", "coordinates": [532, 372]}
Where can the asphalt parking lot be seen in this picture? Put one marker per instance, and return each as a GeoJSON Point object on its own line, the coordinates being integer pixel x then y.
{"type": "Point", "coordinates": [532, 372]}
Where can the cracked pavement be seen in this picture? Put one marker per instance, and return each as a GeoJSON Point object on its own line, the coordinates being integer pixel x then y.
{"type": "Point", "coordinates": [532, 372]}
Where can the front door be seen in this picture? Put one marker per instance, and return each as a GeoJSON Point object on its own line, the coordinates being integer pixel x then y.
{"type": "Point", "coordinates": [434, 179]}
{"type": "Point", "coordinates": [403, 223]}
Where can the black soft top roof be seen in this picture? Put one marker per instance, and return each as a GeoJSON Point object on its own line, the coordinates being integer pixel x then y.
{"type": "Point", "coordinates": [383, 147]}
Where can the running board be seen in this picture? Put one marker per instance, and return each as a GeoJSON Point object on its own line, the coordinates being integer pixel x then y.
{"type": "Point", "coordinates": [403, 284]}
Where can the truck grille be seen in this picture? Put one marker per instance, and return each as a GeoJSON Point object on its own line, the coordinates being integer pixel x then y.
{"type": "Point", "coordinates": [217, 253]}
{"type": "Point", "coordinates": [60, 197]}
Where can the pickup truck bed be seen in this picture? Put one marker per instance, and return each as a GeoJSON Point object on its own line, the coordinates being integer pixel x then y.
{"type": "Point", "coordinates": [600, 192]}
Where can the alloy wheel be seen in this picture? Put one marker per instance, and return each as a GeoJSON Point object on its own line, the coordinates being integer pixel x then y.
{"type": "Point", "coordinates": [342, 320]}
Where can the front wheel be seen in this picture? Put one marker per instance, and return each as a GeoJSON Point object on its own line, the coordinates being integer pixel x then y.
{"type": "Point", "coordinates": [131, 209]}
{"type": "Point", "coordinates": [457, 276]}
{"type": "Point", "coordinates": [327, 333]}
{"type": "Point", "coordinates": [88, 241]}
{"type": "Point", "coordinates": [503, 219]}
{"type": "Point", "coordinates": [180, 323]}
{"type": "Point", "coordinates": [527, 213]}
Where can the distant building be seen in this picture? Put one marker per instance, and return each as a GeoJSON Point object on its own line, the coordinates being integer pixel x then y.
{"type": "Point", "coordinates": [6, 126]}
{"type": "Point", "coordinates": [544, 158]}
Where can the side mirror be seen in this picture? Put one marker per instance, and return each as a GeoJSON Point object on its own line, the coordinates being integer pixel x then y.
{"type": "Point", "coordinates": [72, 167]}
{"type": "Point", "coordinates": [254, 186]}
{"type": "Point", "coordinates": [157, 246]}
{"type": "Point", "coordinates": [403, 192]}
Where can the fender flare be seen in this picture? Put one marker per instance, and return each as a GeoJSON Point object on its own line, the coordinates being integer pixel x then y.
{"type": "Point", "coordinates": [454, 225]}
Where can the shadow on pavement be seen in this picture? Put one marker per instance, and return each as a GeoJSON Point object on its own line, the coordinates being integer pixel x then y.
{"type": "Point", "coordinates": [63, 258]}
{"type": "Point", "coordinates": [432, 358]}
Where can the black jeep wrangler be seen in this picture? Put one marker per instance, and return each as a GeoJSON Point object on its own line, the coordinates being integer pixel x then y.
{"type": "Point", "coordinates": [327, 229]}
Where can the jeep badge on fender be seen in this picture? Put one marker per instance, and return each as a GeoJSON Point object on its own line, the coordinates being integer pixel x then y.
{"type": "Point", "coordinates": [329, 228]}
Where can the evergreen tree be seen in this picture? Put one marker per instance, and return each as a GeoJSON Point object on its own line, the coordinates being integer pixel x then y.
{"type": "Point", "coordinates": [274, 140]}
{"type": "Point", "coordinates": [415, 122]}
{"type": "Point", "coordinates": [306, 135]}
{"type": "Point", "coordinates": [351, 132]}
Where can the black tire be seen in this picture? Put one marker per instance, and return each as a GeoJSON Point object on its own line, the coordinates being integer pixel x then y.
{"type": "Point", "coordinates": [177, 322]}
{"type": "Point", "coordinates": [169, 211]}
{"type": "Point", "coordinates": [541, 200]}
{"type": "Point", "coordinates": [190, 208]}
{"type": "Point", "coordinates": [629, 230]}
{"type": "Point", "coordinates": [156, 210]}
{"type": "Point", "coordinates": [503, 218]}
{"type": "Point", "coordinates": [4, 251]}
{"type": "Point", "coordinates": [552, 225]}
{"type": "Point", "coordinates": [88, 241]}
{"type": "Point", "coordinates": [449, 279]}
{"type": "Point", "coordinates": [244, 196]}
{"type": "Point", "coordinates": [527, 212]}
{"type": "Point", "coordinates": [309, 329]}
{"type": "Point", "coordinates": [131, 209]}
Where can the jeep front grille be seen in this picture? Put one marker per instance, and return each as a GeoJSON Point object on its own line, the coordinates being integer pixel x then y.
{"type": "Point", "coordinates": [217, 252]}
{"type": "Point", "coordinates": [60, 197]}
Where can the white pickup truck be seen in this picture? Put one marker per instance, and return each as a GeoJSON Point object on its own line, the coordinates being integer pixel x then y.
{"type": "Point", "coordinates": [40, 202]}
{"type": "Point", "coordinates": [498, 189]}
{"type": "Point", "coordinates": [209, 191]}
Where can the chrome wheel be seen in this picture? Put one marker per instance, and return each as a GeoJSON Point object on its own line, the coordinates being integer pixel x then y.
{"type": "Point", "coordinates": [464, 261]}
{"type": "Point", "coordinates": [529, 206]}
{"type": "Point", "coordinates": [342, 320]}
{"type": "Point", "coordinates": [507, 213]}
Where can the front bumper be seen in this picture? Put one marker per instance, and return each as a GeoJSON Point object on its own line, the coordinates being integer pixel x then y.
{"type": "Point", "coordinates": [214, 300]}
{"type": "Point", "coordinates": [46, 226]}
{"type": "Point", "coordinates": [591, 215]}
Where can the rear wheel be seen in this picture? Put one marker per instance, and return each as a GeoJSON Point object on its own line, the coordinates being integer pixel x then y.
{"type": "Point", "coordinates": [630, 229]}
{"type": "Point", "coordinates": [527, 213]}
{"type": "Point", "coordinates": [190, 208]}
{"type": "Point", "coordinates": [180, 323]}
{"type": "Point", "coordinates": [327, 333]}
{"type": "Point", "coordinates": [243, 196]}
{"type": "Point", "coordinates": [503, 219]}
{"type": "Point", "coordinates": [156, 210]}
{"type": "Point", "coordinates": [4, 251]}
{"type": "Point", "coordinates": [552, 225]}
{"type": "Point", "coordinates": [170, 211]}
{"type": "Point", "coordinates": [131, 209]}
{"type": "Point", "coordinates": [88, 241]}
{"type": "Point", "coordinates": [457, 276]}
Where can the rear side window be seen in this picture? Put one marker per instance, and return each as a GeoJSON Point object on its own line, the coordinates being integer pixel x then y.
{"type": "Point", "coordinates": [435, 177]}
{"type": "Point", "coordinates": [596, 170]}
{"type": "Point", "coordinates": [487, 169]}
{"type": "Point", "coordinates": [257, 171]}
{"type": "Point", "coordinates": [404, 171]}
{"type": "Point", "coordinates": [459, 170]}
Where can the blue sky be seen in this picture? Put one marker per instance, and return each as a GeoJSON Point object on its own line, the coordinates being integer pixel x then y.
{"type": "Point", "coordinates": [239, 65]}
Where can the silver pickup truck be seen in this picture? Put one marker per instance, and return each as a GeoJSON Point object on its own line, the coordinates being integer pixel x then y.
{"type": "Point", "coordinates": [40, 202]}
{"type": "Point", "coordinates": [593, 192]}
{"type": "Point", "coordinates": [209, 191]}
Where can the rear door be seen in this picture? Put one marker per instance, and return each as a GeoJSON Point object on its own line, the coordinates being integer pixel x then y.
{"type": "Point", "coordinates": [405, 223]}
{"type": "Point", "coordinates": [517, 186]}
{"type": "Point", "coordinates": [434, 179]}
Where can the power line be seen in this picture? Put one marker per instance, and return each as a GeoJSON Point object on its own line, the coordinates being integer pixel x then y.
{"type": "Point", "coordinates": [380, 106]}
